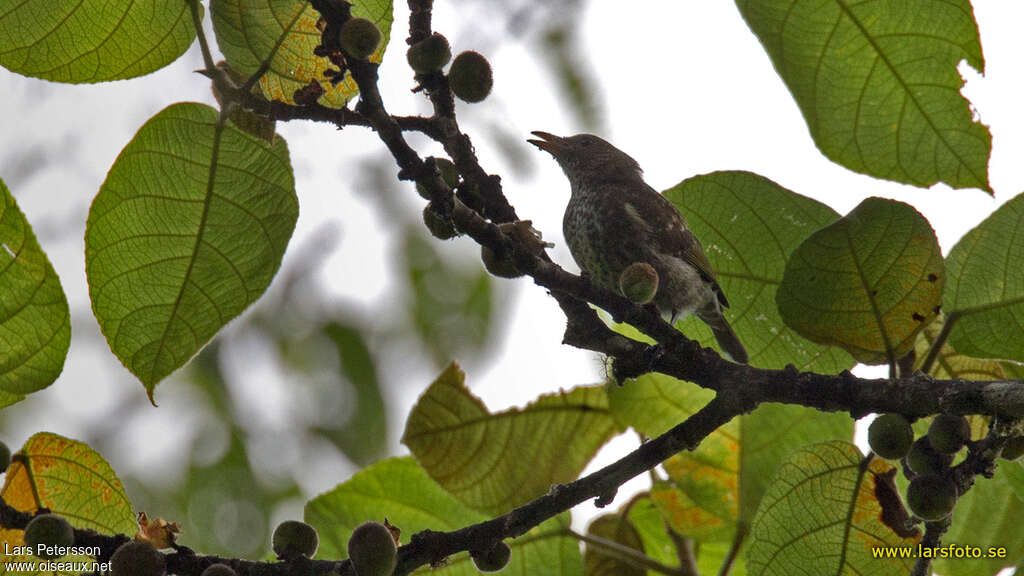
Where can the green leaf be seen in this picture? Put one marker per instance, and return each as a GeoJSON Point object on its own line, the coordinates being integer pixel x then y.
{"type": "Point", "coordinates": [878, 85]}
{"type": "Point", "coordinates": [748, 226]}
{"type": "Point", "coordinates": [364, 436]}
{"type": "Point", "coordinates": [495, 462]}
{"type": "Point", "coordinates": [92, 40]}
{"type": "Point", "coordinates": [868, 282]}
{"type": "Point", "coordinates": [35, 325]}
{"type": "Point", "coordinates": [399, 490]}
{"type": "Point", "coordinates": [451, 304]}
{"type": "Point", "coordinates": [1014, 474]}
{"type": "Point", "coordinates": [821, 516]}
{"type": "Point", "coordinates": [652, 529]}
{"type": "Point", "coordinates": [985, 290]}
{"type": "Point", "coordinates": [613, 528]}
{"type": "Point", "coordinates": [724, 479]}
{"type": "Point", "coordinates": [72, 480]}
{"type": "Point", "coordinates": [285, 31]}
{"type": "Point", "coordinates": [987, 516]}
{"type": "Point", "coordinates": [950, 364]}
{"type": "Point", "coordinates": [186, 232]}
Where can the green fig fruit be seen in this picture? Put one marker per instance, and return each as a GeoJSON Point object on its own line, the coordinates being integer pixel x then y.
{"type": "Point", "coordinates": [639, 282]}
{"type": "Point", "coordinates": [502, 267]}
{"type": "Point", "coordinates": [359, 37]}
{"type": "Point", "coordinates": [493, 559]}
{"type": "Point", "coordinates": [924, 460]}
{"type": "Point", "coordinates": [931, 497]}
{"type": "Point", "coordinates": [948, 433]}
{"type": "Point", "coordinates": [137, 558]}
{"type": "Point", "coordinates": [470, 77]}
{"type": "Point", "coordinates": [429, 55]}
{"type": "Point", "coordinates": [372, 550]}
{"type": "Point", "coordinates": [438, 226]}
{"type": "Point", "coordinates": [1013, 449]}
{"type": "Point", "coordinates": [449, 174]}
{"type": "Point", "coordinates": [890, 436]}
{"type": "Point", "coordinates": [294, 538]}
{"type": "Point", "coordinates": [49, 535]}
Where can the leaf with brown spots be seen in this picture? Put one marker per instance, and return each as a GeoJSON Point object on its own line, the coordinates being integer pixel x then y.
{"type": "Point", "coordinates": [70, 479]}
{"type": "Point", "coordinates": [868, 283]}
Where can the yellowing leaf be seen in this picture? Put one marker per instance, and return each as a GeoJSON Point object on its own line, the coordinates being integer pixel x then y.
{"type": "Point", "coordinates": [821, 515]}
{"type": "Point", "coordinates": [285, 31]}
{"type": "Point", "coordinates": [869, 282]}
{"type": "Point", "coordinates": [70, 479]}
{"type": "Point", "coordinates": [495, 462]}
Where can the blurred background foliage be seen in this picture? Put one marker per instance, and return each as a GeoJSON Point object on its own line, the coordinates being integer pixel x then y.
{"type": "Point", "coordinates": [291, 398]}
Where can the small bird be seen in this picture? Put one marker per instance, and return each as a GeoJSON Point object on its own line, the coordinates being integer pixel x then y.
{"type": "Point", "coordinates": [615, 219]}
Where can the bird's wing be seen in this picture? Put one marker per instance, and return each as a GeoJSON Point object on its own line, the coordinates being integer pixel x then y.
{"type": "Point", "coordinates": [654, 214]}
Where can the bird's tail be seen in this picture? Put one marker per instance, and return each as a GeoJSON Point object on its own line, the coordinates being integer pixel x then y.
{"type": "Point", "coordinates": [724, 334]}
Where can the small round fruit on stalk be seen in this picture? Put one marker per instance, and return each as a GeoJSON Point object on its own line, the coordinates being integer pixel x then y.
{"type": "Point", "coordinates": [890, 436]}
{"type": "Point", "coordinates": [372, 550]}
{"type": "Point", "coordinates": [429, 55]}
{"type": "Point", "coordinates": [293, 538]}
{"type": "Point", "coordinates": [639, 282]}
{"type": "Point", "coordinates": [948, 433]}
{"type": "Point", "coordinates": [493, 559]}
{"type": "Point", "coordinates": [1013, 449]}
{"type": "Point", "coordinates": [924, 460]}
{"type": "Point", "coordinates": [219, 570]}
{"type": "Point", "coordinates": [449, 173]}
{"type": "Point", "coordinates": [359, 37]}
{"type": "Point", "coordinates": [137, 558]}
{"type": "Point", "coordinates": [470, 77]}
{"type": "Point", "coordinates": [46, 534]}
{"type": "Point", "coordinates": [502, 267]}
{"type": "Point", "coordinates": [438, 226]}
{"type": "Point", "coordinates": [931, 497]}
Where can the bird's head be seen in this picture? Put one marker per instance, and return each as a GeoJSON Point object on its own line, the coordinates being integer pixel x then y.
{"type": "Point", "coordinates": [587, 156]}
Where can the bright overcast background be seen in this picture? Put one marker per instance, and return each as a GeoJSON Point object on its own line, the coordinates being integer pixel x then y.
{"type": "Point", "coordinates": [684, 88]}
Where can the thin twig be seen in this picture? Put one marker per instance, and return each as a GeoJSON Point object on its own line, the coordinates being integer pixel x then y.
{"type": "Point", "coordinates": [625, 554]}
{"type": "Point", "coordinates": [940, 341]}
{"type": "Point", "coordinates": [204, 46]}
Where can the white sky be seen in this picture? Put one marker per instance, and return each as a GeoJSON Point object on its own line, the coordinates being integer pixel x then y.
{"type": "Point", "coordinates": [702, 96]}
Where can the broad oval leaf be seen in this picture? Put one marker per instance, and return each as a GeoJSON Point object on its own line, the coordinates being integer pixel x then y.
{"type": "Point", "coordinates": [285, 32]}
{"type": "Point", "coordinates": [878, 85]}
{"type": "Point", "coordinates": [821, 515]}
{"type": "Point", "coordinates": [868, 282]}
{"type": "Point", "coordinates": [399, 490]}
{"type": "Point", "coordinates": [35, 325]}
{"type": "Point", "coordinates": [71, 479]}
{"type": "Point", "coordinates": [495, 462]}
{"type": "Point", "coordinates": [186, 232]}
{"type": "Point", "coordinates": [92, 40]}
{"type": "Point", "coordinates": [748, 226]}
{"type": "Point", "coordinates": [985, 290]}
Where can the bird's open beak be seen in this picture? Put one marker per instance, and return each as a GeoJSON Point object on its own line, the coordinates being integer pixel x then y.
{"type": "Point", "coordinates": [550, 143]}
